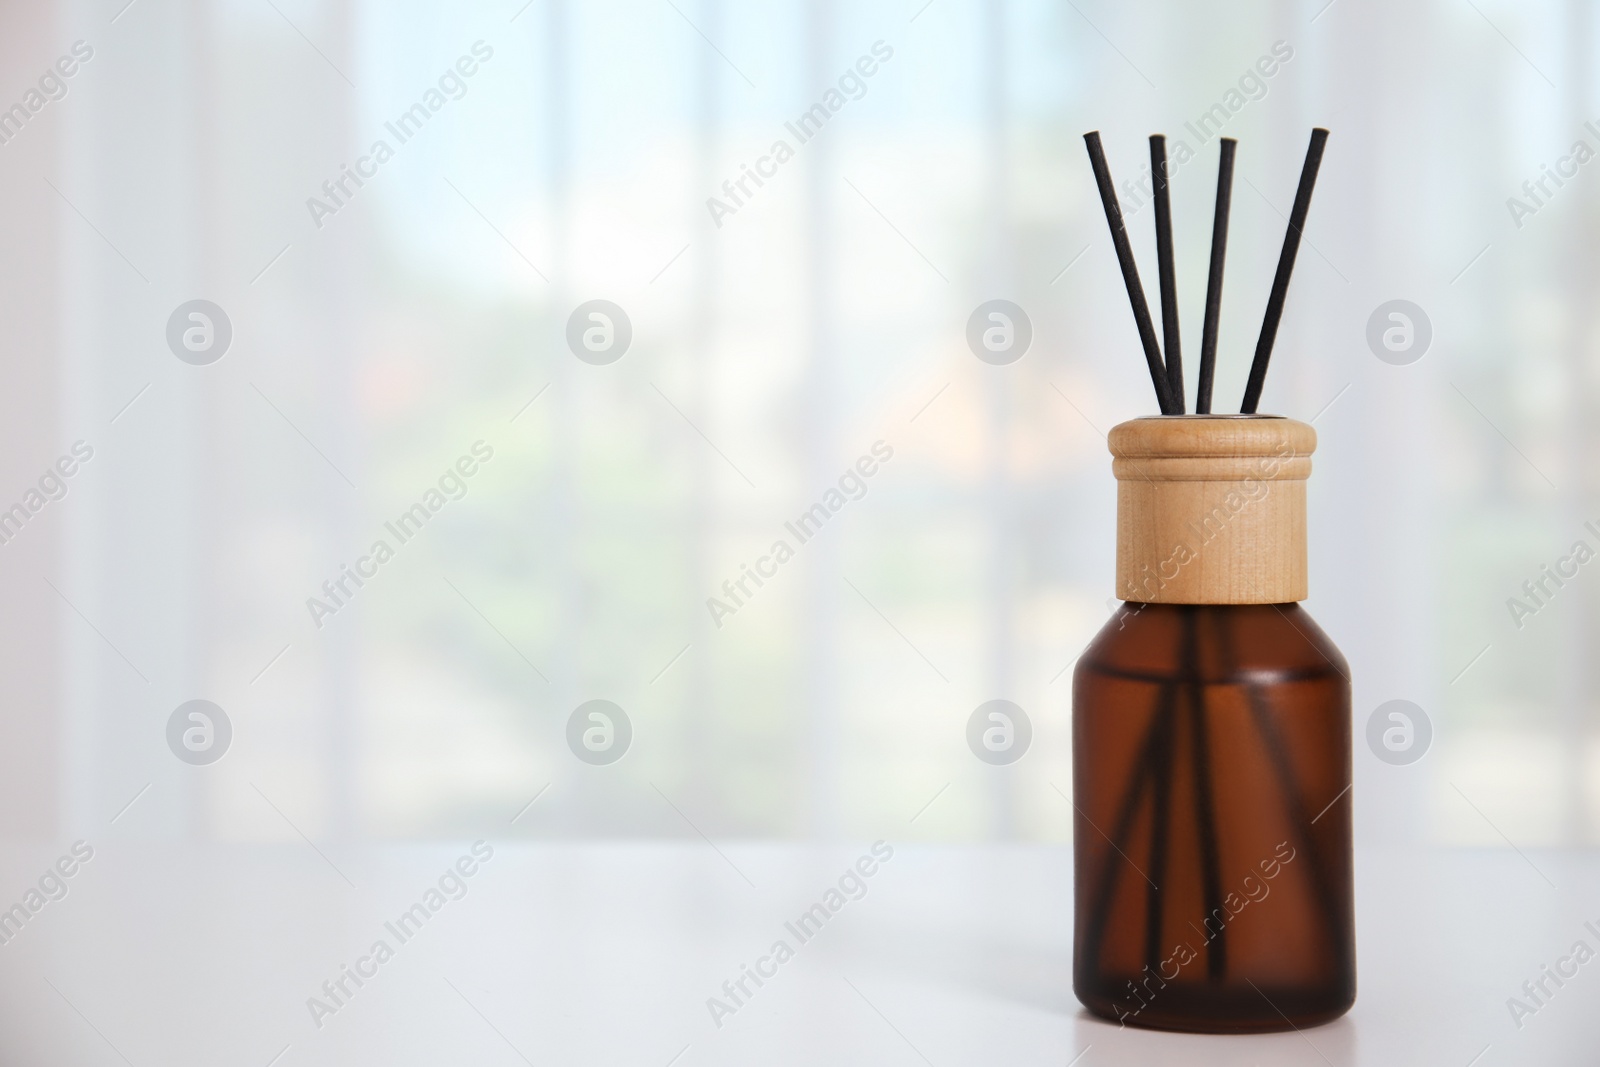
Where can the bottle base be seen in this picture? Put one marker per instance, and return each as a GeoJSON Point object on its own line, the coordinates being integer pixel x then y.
{"type": "Point", "coordinates": [1228, 1009]}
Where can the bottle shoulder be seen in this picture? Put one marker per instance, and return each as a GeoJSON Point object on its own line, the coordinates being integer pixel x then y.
{"type": "Point", "coordinates": [1217, 641]}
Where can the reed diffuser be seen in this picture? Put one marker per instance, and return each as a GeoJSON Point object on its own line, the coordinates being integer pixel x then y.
{"type": "Point", "coordinates": [1211, 716]}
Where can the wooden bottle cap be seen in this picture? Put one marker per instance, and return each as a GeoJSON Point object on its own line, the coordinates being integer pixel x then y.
{"type": "Point", "coordinates": [1211, 509]}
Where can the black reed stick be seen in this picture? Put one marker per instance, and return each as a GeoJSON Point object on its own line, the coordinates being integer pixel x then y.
{"type": "Point", "coordinates": [1204, 799]}
{"type": "Point", "coordinates": [1130, 271]}
{"type": "Point", "coordinates": [1299, 815]}
{"type": "Point", "coordinates": [1160, 822]}
{"type": "Point", "coordinates": [1167, 274]}
{"type": "Point", "coordinates": [1120, 838]}
{"type": "Point", "coordinates": [1280, 280]}
{"type": "Point", "coordinates": [1219, 249]}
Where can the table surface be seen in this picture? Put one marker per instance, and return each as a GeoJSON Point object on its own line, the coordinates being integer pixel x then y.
{"type": "Point", "coordinates": [608, 953]}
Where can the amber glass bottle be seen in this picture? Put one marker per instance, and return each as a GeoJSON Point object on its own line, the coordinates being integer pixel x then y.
{"type": "Point", "coordinates": [1211, 746]}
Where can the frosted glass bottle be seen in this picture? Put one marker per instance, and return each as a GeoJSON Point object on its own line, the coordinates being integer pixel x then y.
{"type": "Point", "coordinates": [1211, 746]}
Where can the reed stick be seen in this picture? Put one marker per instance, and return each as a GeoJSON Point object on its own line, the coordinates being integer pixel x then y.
{"type": "Point", "coordinates": [1130, 271]}
{"type": "Point", "coordinates": [1219, 251]}
{"type": "Point", "coordinates": [1161, 761]}
{"type": "Point", "coordinates": [1166, 273]}
{"type": "Point", "coordinates": [1204, 799]}
{"type": "Point", "coordinates": [1122, 826]}
{"type": "Point", "coordinates": [1299, 812]}
{"type": "Point", "coordinates": [1280, 280]}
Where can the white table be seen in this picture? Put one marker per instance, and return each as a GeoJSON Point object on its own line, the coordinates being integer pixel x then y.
{"type": "Point", "coordinates": [606, 953]}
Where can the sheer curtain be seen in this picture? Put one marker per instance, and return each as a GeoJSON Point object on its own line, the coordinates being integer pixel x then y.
{"type": "Point", "coordinates": [373, 346]}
